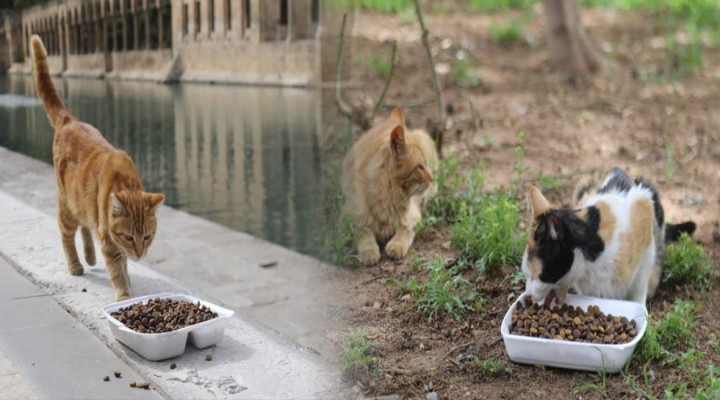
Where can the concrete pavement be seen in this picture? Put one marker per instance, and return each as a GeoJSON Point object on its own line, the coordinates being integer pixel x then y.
{"type": "Point", "coordinates": [293, 297]}
{"type": "Point", "coordinates": [248, 363]}
{"type": "Point", "coordinates": [48, 354]}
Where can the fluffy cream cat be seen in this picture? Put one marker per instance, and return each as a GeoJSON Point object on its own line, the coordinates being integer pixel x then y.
{"type": "Point", "coordinates": [386, 176]}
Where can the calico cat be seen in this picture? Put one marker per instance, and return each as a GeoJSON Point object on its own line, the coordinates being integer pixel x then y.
{"type": "Point", "coordinates": [99, 189]}
{"type": "Point", "coordinates": [386, 176]}
{"type": "Point", "coordinates": [612, 246]}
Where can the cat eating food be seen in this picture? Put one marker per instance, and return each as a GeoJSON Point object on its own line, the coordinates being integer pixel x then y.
{"type": "Point", "coordinates": [386, 176]}
{"type": "Point", "coordinates": [99, 188]}
{"type": "Point", "coordinates": [611, 246]}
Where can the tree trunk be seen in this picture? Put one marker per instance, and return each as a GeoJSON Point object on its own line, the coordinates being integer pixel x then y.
{"type": "Point", "coordinates": [570, 48]}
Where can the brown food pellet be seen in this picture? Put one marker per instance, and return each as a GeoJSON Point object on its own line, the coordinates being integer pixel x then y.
{"type": "Point", "coordinates": [84, 290]}
{"type": "Point", "coordinates": [208, 357]}
{"type": "Point", "coordinates": [106, 379]}
{"type": "Point", "coordinates": [133, 384]}
{"type": "Point", "coordinates": [173, 366]}
{"type": "Point", "coordinates": [145, 386]}
{"type": "Point", "coordinates": [163, 315]}
{"type": "Point", "coordinates": [117, 374]}
{"type": "Point", "coordinates": [571, 323]}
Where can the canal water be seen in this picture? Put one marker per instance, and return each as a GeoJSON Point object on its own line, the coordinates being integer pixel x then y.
{"type": "Point", "coordinates": [247, 158]}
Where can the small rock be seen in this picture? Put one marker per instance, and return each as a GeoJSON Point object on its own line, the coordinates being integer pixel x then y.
{"type": "Point", "coordinates": [406, 344]}
{"type": "Point", "coordinates": [106, 378]}
{"type": "Point", "coordinates": [541, 393]}
{"type": "Point", "coordinates": [388, 397]}
{"type": "Point", "coordinates": [377, 305]}
{"type": "Point", "coordinates": [208, 357]}
{"type": "Point", "coordinates": [431, 396]}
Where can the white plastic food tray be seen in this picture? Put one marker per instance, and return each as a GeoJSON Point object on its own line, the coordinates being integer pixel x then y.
{"type": "Point", "coordinates": [581, 356]}
{"type": "Point", "coordinates": [161, 346]}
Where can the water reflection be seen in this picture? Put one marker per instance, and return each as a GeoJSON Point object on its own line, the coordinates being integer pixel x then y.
{"type": "Point", "coordinates": [248, 158]}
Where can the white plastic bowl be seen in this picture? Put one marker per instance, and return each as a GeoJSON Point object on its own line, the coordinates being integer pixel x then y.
{"type": "Point", "coordinates": [161, 346]}
{"type": "Point", "coordinates": [580, 356]}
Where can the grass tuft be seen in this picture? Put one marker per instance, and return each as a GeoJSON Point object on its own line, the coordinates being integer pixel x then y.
{"type": "Point", "coordinates": [663, 337]}
{"type": "Point", "coordinates": [444, 292]}
{"type": "Point", "coordinates": [359, 352]}
{"type": "Point", "coordinates": [687, 264]}
{"type": "Point", "coordinates": [486, 231]}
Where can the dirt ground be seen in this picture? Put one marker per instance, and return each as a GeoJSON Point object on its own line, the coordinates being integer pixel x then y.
{"type": "Point", "coordinates": [572, 126]}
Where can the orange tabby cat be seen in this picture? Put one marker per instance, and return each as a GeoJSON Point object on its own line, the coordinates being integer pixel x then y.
{"type": "Point", "coordinates": [386, 175]}
{"type": "Point", "coordinates": [99, 188]}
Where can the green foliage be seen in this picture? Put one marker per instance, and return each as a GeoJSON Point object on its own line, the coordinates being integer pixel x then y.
{"type": "Point", "coordinates": [495, 368]}
{"type": "Point", "coordinates": [550, 182]}
{"type": "Point", "coordinates": [445, 290]}
{"type": "Point", "coordinates": [380, 65]}
{"type": "Point", "coordinates": [495, 5]}
{"type": "Point", "coordinates": [359, 352]}
{"type": "Point", "coordinates": [389, 6]}
{"type": "Point", "coordinates": [519, 165]}
{"type": "Point", "coordinates": [456, 186]}
{"type": "Point", "coordinates": [696, 17]}
{"type": "Point", "coordinates": [507, 33]}
{"type": "Point", "coordinates": [687, 264]}
{"type": "Point", "coordinates": [465, 71]}
{"type": "Point", "coordinates": [486, 231]}
{"type": "Point", "coordinates": [665, 336]}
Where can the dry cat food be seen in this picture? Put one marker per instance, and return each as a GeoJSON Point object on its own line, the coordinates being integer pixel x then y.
{"type": "Point", "coordinates": [163, 315]}
{"type": "Point", "coordinates": [568, 323]}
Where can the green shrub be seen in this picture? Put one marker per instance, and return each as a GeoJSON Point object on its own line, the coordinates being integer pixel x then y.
{"type": "Point", "coordinates": [465, 70]}
{"type": "Point", "coordinates": [380, 65]}
{"type": "Point", "coordinates": [358, 352]}
{"type": "Point", "coordinates": [456, 186]}
{"type": "Point", "coordinates": [486, 231]}
{"type": "Point", "coordinates": [687, 264]}
{"type": "Point", "coordinates": [495, 5]}
{"type": "Point", "coordinates": [507, 33]}
{"type": "Point", "coordinates": [444, 291]}
{"type": "Point", "coordinates": [662, 338]}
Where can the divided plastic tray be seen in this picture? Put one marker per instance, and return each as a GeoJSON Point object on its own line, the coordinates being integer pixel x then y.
{"type": "Point", "coordinates": [161, 346]}
{"type": "Point", "coordinates": [580, 356]}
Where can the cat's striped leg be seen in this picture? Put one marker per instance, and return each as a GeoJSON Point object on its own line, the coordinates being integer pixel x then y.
{"type": "Point", "coordinates": [116, 263]}
{"type": "Point", "coordinates": [88, 246]}
{"type": "Point", "coordinates": [368, 249]}
{"type": "Point", "coordinates": [68, 226]}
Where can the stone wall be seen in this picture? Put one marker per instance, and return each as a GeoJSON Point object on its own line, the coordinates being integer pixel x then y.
{"type": "Point", "coordinates": [141, 64]}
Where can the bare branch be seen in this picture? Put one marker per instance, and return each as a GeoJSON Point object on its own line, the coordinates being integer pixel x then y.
{"type": "Point", "coordinates": [344, 107]}
{"type": "Point", "coordinates": [387, 81]}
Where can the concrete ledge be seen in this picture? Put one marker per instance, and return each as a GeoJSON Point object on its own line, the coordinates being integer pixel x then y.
{"type": "Point", "coordinates": [248, 364]}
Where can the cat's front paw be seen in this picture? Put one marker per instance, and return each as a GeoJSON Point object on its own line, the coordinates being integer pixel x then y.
{"type": "Point", "coordinates": [396, 250]}
{"type": "Point", "coordinates": [76, 269]}
{"type": "Point", "coordinates": [121, 295]}
{"type": "Point", "coordinates": [369, 255]}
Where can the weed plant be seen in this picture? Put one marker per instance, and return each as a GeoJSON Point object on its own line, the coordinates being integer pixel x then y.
{"type": "Point", "coordinates": [444, 292]}
{"type": "Point", "coordinates": [687, 264]}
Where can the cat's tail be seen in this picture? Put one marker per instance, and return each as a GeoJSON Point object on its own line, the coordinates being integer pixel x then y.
{"type": "Point", "coordinates": [673, 231]}
{"type": "Point", "coordinates": [54, 108]}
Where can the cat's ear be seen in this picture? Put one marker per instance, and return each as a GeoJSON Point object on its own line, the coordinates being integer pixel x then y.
{"type": "Point", "coordinates": [397, 141]}
{"type": "Point", "coordinates": [118, 208]}
{"type": "Point", "coordinates": [554, 228]}
{"type": "Point", "coordinates": [398, 116]}
{"type": "Point", "coordinates": [538, 202]}
{"type": "Point", "coordinates": [154, 200]}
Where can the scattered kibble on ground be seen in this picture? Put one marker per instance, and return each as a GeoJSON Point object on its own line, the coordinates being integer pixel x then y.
{"type": "Point", "coordinates": [117, 374]}
{"type": "Point", "coordinates": [173, 366]}
{"type": "Point", "coordinates": [208, 357]}
{"type": "Point", "coordinates": [106, 378]}
{"type": "Point", "coordinates": [84, 290]}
